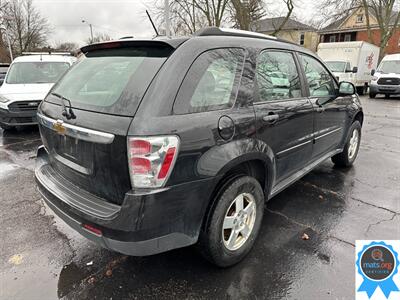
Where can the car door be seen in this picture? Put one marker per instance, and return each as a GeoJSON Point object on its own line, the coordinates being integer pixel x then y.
{"type": "Point", "coordinates": [330, 110]}
{"type": "Point", "coordinates": [284, 115]}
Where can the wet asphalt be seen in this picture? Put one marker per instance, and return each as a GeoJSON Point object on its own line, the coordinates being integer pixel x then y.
{"type": "Point", "coordinates": [42, 258]}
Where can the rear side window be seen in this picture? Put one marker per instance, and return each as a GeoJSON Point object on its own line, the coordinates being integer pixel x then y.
{"type": "Point", "coordinates": [212, 81]}
{"type": "Point", "coordinates": [277, 76]}
{"type": "Point", "coordinates": [111, 80]}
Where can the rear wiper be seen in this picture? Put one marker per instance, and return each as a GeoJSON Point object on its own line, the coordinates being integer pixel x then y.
{"type": "Point", "coordinates": [69, 114]}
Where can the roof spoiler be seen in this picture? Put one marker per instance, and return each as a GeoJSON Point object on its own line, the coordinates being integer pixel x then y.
{"type": "Point", "coordinates": [170, 43]}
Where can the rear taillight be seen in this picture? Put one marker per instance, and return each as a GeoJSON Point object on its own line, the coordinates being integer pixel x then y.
{"type": "Point", "coordinates": [151, 160]}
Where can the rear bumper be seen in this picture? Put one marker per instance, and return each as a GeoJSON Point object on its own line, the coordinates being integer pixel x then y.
{"type": "Point", "coordinates": [13, 118]}
{"type": "Point", "coordinates": [384, 89]}
{"type": "Point", "coordinates": [148, 222]}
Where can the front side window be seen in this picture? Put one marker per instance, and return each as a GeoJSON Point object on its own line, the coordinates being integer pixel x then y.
{"type": "Point", "coordinates": [320, 82]}
{"type": "Point", "coordinates": [277, 76]}
{"type": "Point", "coordinates": [36, 72]}
{"type": "Point", "coordinates": [336, 66]}
{"type": "Point", "coordinates": [211, 82]}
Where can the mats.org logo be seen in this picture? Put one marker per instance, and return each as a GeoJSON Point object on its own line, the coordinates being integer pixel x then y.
{"type": "Point", "coordinates": [377, 270]}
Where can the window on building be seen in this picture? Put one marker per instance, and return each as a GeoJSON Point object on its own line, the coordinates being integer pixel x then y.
{"type": "Point", "coordinates": [360, 18]}
{"type": "Point", "coordinates": [347, 37]}
{"type": "Point", "coordinates": [301, 41]}
{"type": "Point", "coordinates": [332, 39]}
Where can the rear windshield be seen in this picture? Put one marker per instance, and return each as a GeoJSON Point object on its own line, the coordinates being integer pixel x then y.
{"type": "Point", "coordinates": [36, 72]}
{"type": "Point", "coordinates": [110, 80]}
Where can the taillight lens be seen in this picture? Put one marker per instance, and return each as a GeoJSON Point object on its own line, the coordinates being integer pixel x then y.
{"type": "Point", "coordinates": [151, 160]}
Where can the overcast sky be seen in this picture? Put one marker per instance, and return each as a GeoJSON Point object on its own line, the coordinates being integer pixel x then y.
{"type": "Point", "coordinates": [115, 17]}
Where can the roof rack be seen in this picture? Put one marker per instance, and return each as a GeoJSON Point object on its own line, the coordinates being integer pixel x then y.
{"type": "Point", "coordinates": [232, 32]}
{"type": "Point", "coordinates": [47, 53]}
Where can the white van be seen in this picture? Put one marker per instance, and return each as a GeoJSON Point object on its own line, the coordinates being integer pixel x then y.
{"type": "Point", "coordinates": [351, 61]}
{"type": "Point", "coordinates": [28, 80]}
{"type": "Point", "coordinates": [386, 79]}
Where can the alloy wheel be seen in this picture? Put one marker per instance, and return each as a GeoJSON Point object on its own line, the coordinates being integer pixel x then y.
{"type": "Point", "coordinates": [239, 221]}
{"type": "Point", "coordinates": [353, 144]}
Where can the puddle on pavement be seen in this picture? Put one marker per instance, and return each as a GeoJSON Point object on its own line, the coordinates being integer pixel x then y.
{"type": "Point", "coordinates": [7, 167]}
{"type": "Point", "coordinates": [70, 276]}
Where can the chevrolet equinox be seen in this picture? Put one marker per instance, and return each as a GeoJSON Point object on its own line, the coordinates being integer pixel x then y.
{"type": "Point", "coordinates": [152, 145]}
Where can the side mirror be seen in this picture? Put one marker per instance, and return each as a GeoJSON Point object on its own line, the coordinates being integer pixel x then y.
{"type": "Point", "coordinates": [346, 88]}
{"type": "Point", "coordinates": [372, 72]}
{"type": "Point", "coordinates": [355, 69]}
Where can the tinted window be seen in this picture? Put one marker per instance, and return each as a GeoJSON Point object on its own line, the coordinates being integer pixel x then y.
{"type": "Point", "coordinates": [211, 82]}
{"type": "Point", "coordinates": [277, 76]}
{"type": "Point", "coordinates": [111, 80]}
{"type": "Point", "coordinates": [319, 80]}
{"type": "Point", "coordinates": [36, 72]}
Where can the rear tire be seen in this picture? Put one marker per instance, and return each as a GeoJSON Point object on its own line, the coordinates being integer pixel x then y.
{"type": "Point", "coordinates": [347, 157]}
{"type": "Point", "coordinates": [231, 228]}
{"type": "Point", "coordinates": [372, 95]}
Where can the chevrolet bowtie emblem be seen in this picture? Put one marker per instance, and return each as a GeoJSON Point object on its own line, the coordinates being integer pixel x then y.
{"type": "Point", "coordinates": [59, 127]}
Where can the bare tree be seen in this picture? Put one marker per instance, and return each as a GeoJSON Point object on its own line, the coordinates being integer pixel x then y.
{"type": "Point", "coordinates": [27, 29]}
{"type": "Point", "coordinates": [385, 12]}
{"type": "Point", "coordinates": [245, 13]}
{"type": "Point", "coordinates": [213, 10]}
{"type": "Point", "coordinates": [387, 19]}
{"type": "Point", "coordinates": [66, 46]}
{"type": "Point", "coordinates": [99, 37]}
{"type": "Point", "coordinates": [290, 7]}
{"type": "Point", "coordinates": [187, 16]}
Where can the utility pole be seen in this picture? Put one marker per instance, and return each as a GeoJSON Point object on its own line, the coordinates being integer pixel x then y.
{"type": "Point", "coordinates": [91, 29]}
{"type": "Point", "coordinates": [167, 21]}
{"type": "Point", "coordinates": [8, 42]}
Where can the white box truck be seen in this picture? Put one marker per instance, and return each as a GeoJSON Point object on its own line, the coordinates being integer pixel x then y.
{"type": "Point", "coordinates": [351, 61]}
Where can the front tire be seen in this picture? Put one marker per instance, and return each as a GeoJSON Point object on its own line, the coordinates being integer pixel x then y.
{"type": "Point", "coordinates": [349, 154]}
{"type": "Point", "coordinates": [233, 223]}
{"type": "Point", "coordinates": [361, 90]}
{"type": "Point", "coordinates": [372, 95]}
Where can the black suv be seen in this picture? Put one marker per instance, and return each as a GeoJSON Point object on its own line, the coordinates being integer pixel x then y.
{"type": "Point", "coordinates": [151, 145]}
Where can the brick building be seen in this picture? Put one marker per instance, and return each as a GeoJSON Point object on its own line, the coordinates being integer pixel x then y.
{"type": "Point", "coordinates": [354, 28]}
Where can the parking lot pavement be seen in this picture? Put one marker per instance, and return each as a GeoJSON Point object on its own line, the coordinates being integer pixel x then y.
{"type": "Point", "coordinates": [41, 258]}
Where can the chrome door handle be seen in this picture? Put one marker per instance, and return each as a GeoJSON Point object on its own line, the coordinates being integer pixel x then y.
{"type": "Point", "coordinates": [271, 118]}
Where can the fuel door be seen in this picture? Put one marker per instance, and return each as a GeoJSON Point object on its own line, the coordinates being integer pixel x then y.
{"type": "Point", "coordinates": [226, 127]}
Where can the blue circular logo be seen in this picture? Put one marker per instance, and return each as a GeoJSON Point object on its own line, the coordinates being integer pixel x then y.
{"type": "Point", "coordinates": [377, 263]}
